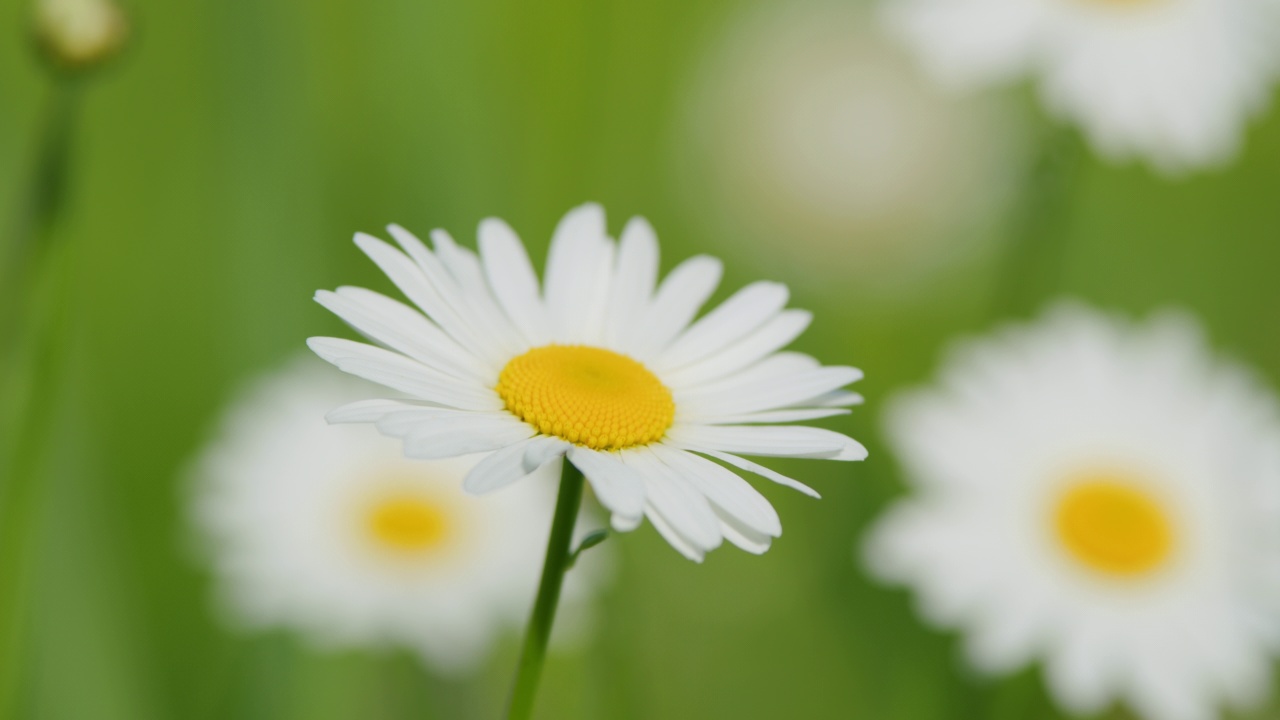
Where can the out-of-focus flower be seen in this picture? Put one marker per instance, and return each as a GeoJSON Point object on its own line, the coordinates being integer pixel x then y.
{"type": "Point", "coordinates": [598, 366]}
{"type": "Point", "coordinates": [78, 34]}
{"type": "Point", "coordinates": [1101, 497]}
{"type": "Point", "coordinates": [810, 139]}
{"type": "Point", "coordinates": [1170, 80]}
{"type": "Point", "coordinates": [329, 530]}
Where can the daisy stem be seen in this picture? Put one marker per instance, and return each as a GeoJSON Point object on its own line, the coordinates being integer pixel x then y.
{"type": "Point", "coordinates": [544, 608]}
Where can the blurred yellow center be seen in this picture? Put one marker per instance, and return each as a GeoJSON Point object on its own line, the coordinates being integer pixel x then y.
{"type": "Point", "coordinates": [588, 396]}
{"type": "Point", "coordinates": [408, 523]}
{"type": "Point", "coordinates": [1114, 527]}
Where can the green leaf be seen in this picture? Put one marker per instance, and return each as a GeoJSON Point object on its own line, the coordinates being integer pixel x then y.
{"type": "Point", "coordinates": [591, 540]}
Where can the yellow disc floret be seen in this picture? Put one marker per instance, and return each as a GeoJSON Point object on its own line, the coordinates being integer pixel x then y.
{"type": "Point", "coordinates": [408, 524]}
{"type": "Point", "coordinates": [1114, 526]}
{"type": "Point", "coordinates": [587, 396]}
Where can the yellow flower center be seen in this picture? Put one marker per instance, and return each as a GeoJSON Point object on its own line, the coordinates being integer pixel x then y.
{"type": "Point", "coordinates": [1113, 526]}
{"type": "Point", "coordinates": [408, 524]}
{"type": "Point", "coordinates": [588, 396]}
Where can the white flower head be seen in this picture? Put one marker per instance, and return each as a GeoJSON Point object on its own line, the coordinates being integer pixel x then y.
{"type": "Point", "coordinates": [329, 530]}
{"type": "Point", "coordinates": [600, 364]}
{"type": "Point", "coordinates": [1102, 497]}
{"type": "Point", "coordinates": [1173, 81]}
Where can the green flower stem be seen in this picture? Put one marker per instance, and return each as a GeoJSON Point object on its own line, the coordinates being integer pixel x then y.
{"type": "Point", "coordinates": [37, 213]}
{"type": "Point", "coordinates": [1032, 264]}
{"type": "Point", "coordinates": [558, 559]}
{"type": "Point", "coordinates": [33, 315]}
{"type": "Point", "coordinates": [20, 496]}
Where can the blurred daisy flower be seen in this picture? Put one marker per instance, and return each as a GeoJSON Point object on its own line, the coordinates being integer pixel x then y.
{"type": "Point", "coordinates": [1173, 81]}
{"type": "Point", "coordinates": [599, 366]}
{"type": "Point", "coordinates": [330, 531]}
{"type": "Point", "coordinates": [1101, 497]}
{"type": "Point", "coordinates": [804, 126]}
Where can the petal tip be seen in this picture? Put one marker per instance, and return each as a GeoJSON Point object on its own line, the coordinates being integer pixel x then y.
{"type": "Point", "coordinates": [319, 345]}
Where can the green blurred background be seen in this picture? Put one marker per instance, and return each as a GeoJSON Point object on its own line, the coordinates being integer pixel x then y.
{"type": "Point", "coordinates": [222, 164]}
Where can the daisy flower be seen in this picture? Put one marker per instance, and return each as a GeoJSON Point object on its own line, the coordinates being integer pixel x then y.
{"type": "Point", "coordinates": [1170, 80]}
{"type": "Point", "coordinates": [1104, 498]}
{"type": "Point", "coordinates": [599, 366]}
{"type": "Point", "coordinates": [331, 531]}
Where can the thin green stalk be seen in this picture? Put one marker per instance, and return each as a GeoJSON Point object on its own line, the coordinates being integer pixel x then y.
{"type": "Point", "coordinates": [557, 562]}
{"type": "Point", "coordinates": [38, 210]}
{"type": "Point", "coordinates": [20, 504]}
{"type": "Point", "coordinates": [31, 372]}
{"type": "Point", "coordinates": [1033, 263]}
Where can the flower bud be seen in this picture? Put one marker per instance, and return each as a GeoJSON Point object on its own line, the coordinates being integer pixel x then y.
{"type": "Point", "coordinates": [79, 34]}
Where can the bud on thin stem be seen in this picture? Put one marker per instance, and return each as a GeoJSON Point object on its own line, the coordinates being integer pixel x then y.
{"type": "Point", "coordinates": [77, 35]}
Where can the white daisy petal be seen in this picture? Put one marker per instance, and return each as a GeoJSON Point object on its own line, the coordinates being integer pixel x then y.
{"type": "Point", "coordinates": [674, 538]}
{"type": "Point", "coordinates": [542, 450]}
{"type": "Point", "coordinates": [767, 418]}
{"type": "Point", "coordinates": [970, 42]}
{"type": "Point", "coordinates": [634, 279]}
{"type": "Point", "coordinates": [1161, 691]}
{"type": "Point", "coordinates": [772, 368]}
{"type": "Point", "coordinates": [426, 294]}
{"type": "Point", "coordinates": [513, 281]}
{"type": "Point", "coordinates": [727, 492]}
{"type": "Point", "coordinates": [402, 422]}
{"type": "Point", "coordinates": [588, 321]}
{"type": "Point", "coordinates": [675, 500]}
{"type": "Point", "coordinates": [678, 299]}
{"type": "Point", "coordinates": [746, 538]}
{"type": "Point", "coordinates": [466, 269]}
{"type": "Point", "coordinates": [746, 310]}
{"type": "Point", "coordinates": [579, 270]}
{"type": "Point", "coordinates": [1010, 631]}
{"type": "Point", "coordinates": [461, 290]}
{"type": "Point", "coordinates": [401, 270]}
{"type": "Point", "coordinates": [401, 328]}
{"type": "Point", "coordinates": [364, 411]}
{"type": "Point", "coordinates": [401, 373]}
{"type": "Point", "coordinates": [752, 397]}
{"type": "Point", "coordinates": [418, 251]}
{"type": "Point", "coordinates": [762, 471]}
{"type": "Point", "coordinates": [623, 523]}
{"type": "Point", "coordinates": [618, 487]}
{"type": "Point", "coordinates": [769, 441]}
{"type": "Point", "coordinates": [498, 469]}
{"type": "Point", "coordinates": [1082, 671]}
{"type": "Point", "coordinates": [430, 439]}
{"type": "Point", "coordinates": [836, 398]}
{"type": "Point", "coordinates": [775, 334]}
{"type": "Point", "coordinates": [434, 268]}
